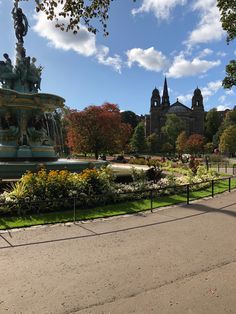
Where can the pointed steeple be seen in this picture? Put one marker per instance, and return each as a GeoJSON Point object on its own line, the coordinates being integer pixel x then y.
{"type": "Point", "coordinates": [165, 96]}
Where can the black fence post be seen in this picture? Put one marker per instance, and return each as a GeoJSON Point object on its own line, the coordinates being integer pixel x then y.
{"type": "Point", "coordinates": [187, 194]}
{"type": "Point", "coordinates": [225, 167]}
{"type": "Point", "coordinates": [218, 167]}
{"type": "Point", "coordinates": [229, 184]}
{"type": "Point", "coordinates": [74, 206]}
{"type": "Point", "coordinates": [212, 188]}
{"type": "Point", "coordinates": [151, 199]}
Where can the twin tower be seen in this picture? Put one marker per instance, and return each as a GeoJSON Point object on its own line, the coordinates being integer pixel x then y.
{"type": "Point", "coordinates": [193, 119]}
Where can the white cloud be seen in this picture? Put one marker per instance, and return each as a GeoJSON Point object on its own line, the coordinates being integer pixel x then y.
{"type": "Point", "coordinates": [103, 58]}
{"type": "Point", "coordinates": [149, 59]}
{"type": "Point", "coordinates": [207, 91]}
{"type": "Point", "coordinates": [182, 67]}
{"type": "Point", "coordinates": [160, 8]}
{"type": "Point", "coordinates": [205, 52]}
{"type": "Point", "coordinates": [211, 88]}
{"type": "Point", "coordinates": [185, 98]}
{"type": "Point", "coordinates": [222, 99]}
{"type": "Point", "coordinates": [229, 92]}
{"type": "Point", "coordinates": [209, 28]}
{"type": "Point", "coordinates": [221, 54]}
{"type": "Point", "coordinates": [222, 108]}
{"type": "Point", "coordinates": [84, 42]}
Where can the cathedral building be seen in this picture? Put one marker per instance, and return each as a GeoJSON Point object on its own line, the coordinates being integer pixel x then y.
{"type": "Point", "coordinates": [193, 119]}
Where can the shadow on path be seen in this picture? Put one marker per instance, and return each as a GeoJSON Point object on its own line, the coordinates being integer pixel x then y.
{"type": "Point", "coordinates": [204, 209]}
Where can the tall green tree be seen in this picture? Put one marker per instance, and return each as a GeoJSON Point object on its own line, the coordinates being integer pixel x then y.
{"type": "Point", "coordinates": [212, 123]}
{"type": "Point", "coordinates": [229, 119]}
{"type": "Point", "coordinates": [138, 141]}
{"type": "Point", "coordinates": [172, 128]}
{"type": "Point", "coordinates": [181, 142]}
{"type": "Point", "coordinates": [228, 140]}
{"type": "Point", "coordinates": [152, 143]}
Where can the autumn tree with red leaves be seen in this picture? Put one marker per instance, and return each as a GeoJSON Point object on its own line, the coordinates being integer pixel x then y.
{"type": "Point", "coordinates": [97, 129]}
{"type": "Point", "coordinates": [195, 143]}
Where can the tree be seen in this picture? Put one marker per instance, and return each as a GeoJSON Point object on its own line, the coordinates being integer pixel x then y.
{"type": "Point", "coordinates": [138, 141]}
{"type": "Point", "coordinates": [172, 128]}
{"type": "Point", "coordinates": [97, 129]}
{"type": "Point", "coordinates": [181, 142]}
{"type": "Point", "coordinates": [228, 140]}
{"type": "Point", "coordinates": [152, 143]}
{"type": "Point", "coordinates": [208, 148]}
{"type": "Point", "coordinates": [230, 80]}
{"type": "Point", "coordinates": [71, 14]}
{"type": "Point", "coordinates": [228, 19]}
{"type": "Point", "coordinates": [195, 143]}
{"type": "Point", "coordinates": [129, 117]}
{"type": "Point", "coordinates": [229, 119]}
{"type": "Point", "coordinates": [212, 124]}
{"type": "Point", "coordinates": [167, 148]}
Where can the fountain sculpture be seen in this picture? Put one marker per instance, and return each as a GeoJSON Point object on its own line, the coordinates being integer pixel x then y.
{"type": "Point", "coordinates": [27, 126]}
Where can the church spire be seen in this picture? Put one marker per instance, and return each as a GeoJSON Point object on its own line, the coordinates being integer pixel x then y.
{"type": "Point", "coordinates": [165, 96]}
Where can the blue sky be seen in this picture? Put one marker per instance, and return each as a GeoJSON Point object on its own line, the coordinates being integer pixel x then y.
{"type": "Point", "coordinates": [181, 39]}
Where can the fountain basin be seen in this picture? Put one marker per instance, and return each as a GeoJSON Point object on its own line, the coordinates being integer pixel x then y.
{"type": "Point", "coordinates": [15, 169]}
{"type": "Point", "coordinates": [27, 127]}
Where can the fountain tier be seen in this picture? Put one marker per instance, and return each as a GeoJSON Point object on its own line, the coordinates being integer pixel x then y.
{"type": "Point", "coordinates": [27, 125]}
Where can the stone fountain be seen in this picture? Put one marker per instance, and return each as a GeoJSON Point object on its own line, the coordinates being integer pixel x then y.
{"type": "Point", "coordinates": [27, 124]}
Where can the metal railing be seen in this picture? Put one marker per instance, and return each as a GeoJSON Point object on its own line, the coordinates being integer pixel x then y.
{"type": "Point", "coordinates": [188, 192]}
{"type": "Point", "coordinates": [222, 167]}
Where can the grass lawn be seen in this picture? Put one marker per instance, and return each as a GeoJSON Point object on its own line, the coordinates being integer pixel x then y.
{"type": "Point", "coordinates": [128, 207]}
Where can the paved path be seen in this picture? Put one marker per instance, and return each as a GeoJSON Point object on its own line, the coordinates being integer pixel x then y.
{"type": "Point", "coordinates": [176, 260]}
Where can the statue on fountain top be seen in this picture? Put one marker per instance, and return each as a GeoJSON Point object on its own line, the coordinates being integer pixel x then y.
{"type": "Point", "coordinates": [20, 23]}
{"type": "Point", "coordinates": [24, 76]}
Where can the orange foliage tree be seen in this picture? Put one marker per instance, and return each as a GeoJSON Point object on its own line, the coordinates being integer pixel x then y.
{"type": "Point", "coordinates": [97, 129]}
{"type": "Point", "coordinates": [195, 143]}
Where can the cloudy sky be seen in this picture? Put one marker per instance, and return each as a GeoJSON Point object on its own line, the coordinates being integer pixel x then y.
{"type": "Point", "coordinates": [180, 39]}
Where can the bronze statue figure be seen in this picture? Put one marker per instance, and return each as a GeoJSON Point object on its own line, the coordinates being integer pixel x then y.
{"type": "Point", "coordinates": [20, 24]}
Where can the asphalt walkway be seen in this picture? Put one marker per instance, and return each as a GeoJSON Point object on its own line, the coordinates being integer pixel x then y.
{"type": "Point", "coordinates": [177, 260]}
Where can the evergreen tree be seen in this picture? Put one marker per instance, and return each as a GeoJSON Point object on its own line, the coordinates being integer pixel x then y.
{"type": "Point", "coordinates": [181, 142]}
{"type": "Point", "coordinates": [212, 124]}
{"type": "Point", "coordinates": [152, 143]}
{"type": "Point", "coordinates": [138, 141]}
{"type": "Point", "coordinates": [172, 128]}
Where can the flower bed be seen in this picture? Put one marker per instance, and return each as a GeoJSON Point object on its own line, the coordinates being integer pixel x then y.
{"type": "Point", "coordinates": [48, 191]}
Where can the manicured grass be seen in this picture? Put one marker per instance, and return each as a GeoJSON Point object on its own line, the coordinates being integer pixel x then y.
{"type": "Point", "coordinates": [220, 186]}
{"type": "Point", "coordinates": [128, 207]}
